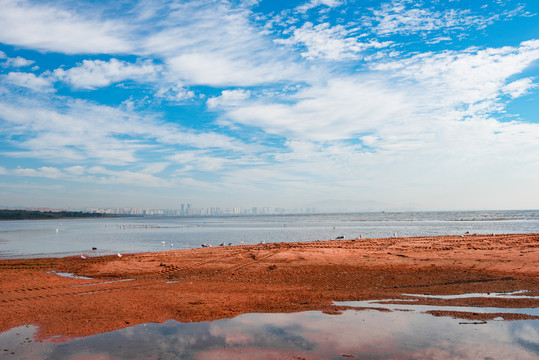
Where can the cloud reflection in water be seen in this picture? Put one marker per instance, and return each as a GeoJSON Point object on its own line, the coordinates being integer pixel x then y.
{"type": "Point", "coordinates": [361, 334]}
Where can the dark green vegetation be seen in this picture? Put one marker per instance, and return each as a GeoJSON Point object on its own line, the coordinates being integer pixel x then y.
{"type": "Point", "coordinates": [37, 215]}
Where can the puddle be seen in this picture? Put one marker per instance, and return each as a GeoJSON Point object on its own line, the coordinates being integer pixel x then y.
{"type": "Point", "coordinates": [104, 282]}
{"type": "Point", "coordinates": [69, 275]}
{"type": "Point", "coordinates": [366, 334]}
{"type": "Point", "coordinates": [388, 305]}
{"type": "Point", "coordinates": [505, 295]}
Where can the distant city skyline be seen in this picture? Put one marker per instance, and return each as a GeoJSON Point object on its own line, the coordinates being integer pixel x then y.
{"type": "Point", "coordinates": [189, 210]}
{"type": "Point", "coordinates": [211, 211]}
{"type": "Point", "coordinates": [360, 104]}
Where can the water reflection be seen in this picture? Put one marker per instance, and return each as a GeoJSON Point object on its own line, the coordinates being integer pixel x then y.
{"type": "Point", "coordinates": [367, 334]}
{"type": "Point", "coordinates": [69, 275]}
{"type": "Point", "coordinates": [408, 305]}
{"type": "Point", "coordinates": [504, 295]}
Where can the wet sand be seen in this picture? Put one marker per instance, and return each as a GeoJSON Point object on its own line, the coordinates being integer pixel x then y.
{"type": "Point", "coordinates": [214, 283]}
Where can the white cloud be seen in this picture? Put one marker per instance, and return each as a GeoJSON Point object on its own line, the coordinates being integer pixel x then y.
{"type": "Point", "coordinates": [395, 18]}
{"type": "Point", "coordinates": [95, 174]}
{"type": "Point", "coordinates": [15, 62]}
{"type": "Point", "coordinates": [53, 28]}
{"type": "Point", "coordinates": [519, 87]}
{"type": "Point", "coordinates": [107, 176]}
{"type": "Point", "coordinates": [202, 43]}
{"type": "Point", "coordinates": [198, 160]}
{"type": "Point", "coordinates": [81, 131]}
{"type": "Point", "coordinates": [333, 43]}
{"type": "Point", "coordinates": [200, 185]}
{"type": "Point", "coordinates": [214, 68]}
{"type": "Point", "coordinates": [438, 39]}
{"type": "Point", "coordinates": [433, 117]}
{"type": "Point", "coordinates": [475, 78]}
{"type": "Point", "coordinates": [29, 80]}
{"type": "Point", "coordinates": [75, 170]}
{"type": "Point", "coordinates": [155, 168]}
{"type": "Point", "coordinates": [405, 17]}
{"type": "Point", "coordinates": [229, 98]}
{"type": "Point", "coordinates": [43, 172]}
{"type": "Point", "coordinates": [92, 74]}
{"type": "Point", "coordinates": [218, 45]}
{"type": "Point", "coordinates": [315, 3]}
{"type": "Point", "coordinates": [335, 111]}
{"type": "Point", "coordinates": [175, 93]}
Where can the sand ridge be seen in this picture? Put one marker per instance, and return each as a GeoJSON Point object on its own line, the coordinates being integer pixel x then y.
{"type": "Point", "coordinates": [213, 283]}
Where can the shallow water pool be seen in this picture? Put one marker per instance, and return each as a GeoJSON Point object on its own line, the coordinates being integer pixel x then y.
{"type": "Point", "coordinates": [365, 334]}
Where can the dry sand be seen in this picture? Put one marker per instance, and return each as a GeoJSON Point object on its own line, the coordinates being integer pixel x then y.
{"type": "Point", "coordinates": [213, 283]}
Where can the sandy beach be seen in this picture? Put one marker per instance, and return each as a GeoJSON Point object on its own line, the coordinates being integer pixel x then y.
{"type": "Point", "coordinates": [214, 283]}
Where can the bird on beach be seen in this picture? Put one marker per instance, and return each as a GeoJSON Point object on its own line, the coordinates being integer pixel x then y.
{"type": "Point", "coordinates": [171, 245]}
{"type": "Point", "coordinates": [163, 243]}
{"type": "Point", "coordinates": [119, 255]}
{"type": "Point", "coordinates": [84, 257]}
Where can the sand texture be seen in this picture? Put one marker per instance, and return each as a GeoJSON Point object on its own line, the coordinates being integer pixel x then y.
{"type": "Point", "coordinates": [213, 283]}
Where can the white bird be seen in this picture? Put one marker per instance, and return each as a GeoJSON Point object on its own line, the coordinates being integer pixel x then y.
{"type": "Point", "coordinates": [119, 255]}
{"type": "Point", "coordinates": [171, 245]}
{"type": "Point", "coordinates": [163, 243]}
{"type": "Point", "coordinates": [83, 257]}
{"type": "Point", "coordinates": [56, 230]}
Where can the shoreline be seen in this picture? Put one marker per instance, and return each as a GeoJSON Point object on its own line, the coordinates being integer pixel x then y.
{"type": "Point", "coordinates": [222, 282]}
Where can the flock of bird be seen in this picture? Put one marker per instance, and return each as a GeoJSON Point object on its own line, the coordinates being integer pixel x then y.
{"type": "Point", "coordinates": [204, 245]}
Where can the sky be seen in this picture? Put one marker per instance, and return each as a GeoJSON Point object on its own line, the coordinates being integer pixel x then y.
{"type": "Point", "coordinates": [396, 104]}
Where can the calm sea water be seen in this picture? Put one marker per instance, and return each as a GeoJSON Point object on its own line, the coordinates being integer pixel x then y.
{"type": "Point", "coordinates": [140, 234]}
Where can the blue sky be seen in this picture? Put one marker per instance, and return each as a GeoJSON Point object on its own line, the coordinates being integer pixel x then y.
{"type": "Point", "coordinates": [405, 104]}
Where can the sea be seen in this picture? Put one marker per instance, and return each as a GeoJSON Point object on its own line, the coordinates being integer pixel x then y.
{"type": "Point", "coordinates": [103, 236]}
